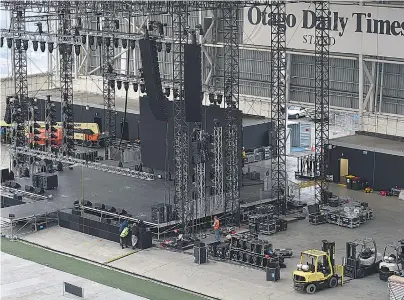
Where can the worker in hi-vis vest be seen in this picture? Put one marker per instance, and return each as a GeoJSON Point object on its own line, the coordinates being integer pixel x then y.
{"type": "Point", "coordinates": [124, 236]}
{"type": "Point", "coordinates": [216, 228]}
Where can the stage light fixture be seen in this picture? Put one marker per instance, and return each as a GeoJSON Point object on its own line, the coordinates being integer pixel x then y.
{"type": "Point", "coordinates": [50, 47]}
{"type": "Point", "coordinates": [18, 43]}
{"type": "Point", "coordinates": [160, 27]}
{"type": "Point", "coordinates": [1, 41]}
{"type": "Point", "coordinates": [35, 45]}
{"type": "Point", "coordinates": [9, 42]}
{"type": "Point", "coordinates": [99, 40]}
{"type": "Point", "coordinates": [76, 31]}
{"type": "Point", "coordinates": [126, 85]}
{"type": "Point", "coordinates": [83, 39]}
{"type": "Point", "coordinates": [77, 50]}
{"type": "Point", "coordinates": [25, 45]}
{"type": "Point", "coordinates": [135, 86]}
{"type": "Point", "coordinates": [110, 69]}
{"type": "Point", "coordinates": [39, 25]}
{"type": "Point", "coordinates": [42, 46]}
{"type": "Point", "coordinates": [168, 47]}
{"type": "Point", "coordinates": [119, 84]}
{"type": "Point", "coordinates": [116, 24]}
{"type": "Point", "coordinates": [79, 24]}
{"type": "Point", "coordinates": [167, 91]}
{"type": "Point", "coordinates": [212, 98]}
{"type": "Point", "coordinates": [175, 93]}
{"type": "Point", "coordinates": [107, 41]}
{"type": "Point", "coordinates": [91, 40]}
{"type": "Point", "coordinates": [124, 43]}
{"type": "Point", "coordinates": [193, 37]}
{"type": "Point", "coordinates": [219, 99]}
{"type": "Point", "coordinates": [159, 46]}
{"type": "Point", "coordinates": [112, 84]}
{"type": "Point", "coordinates": [228, 101]}
{"type": "Point", "coordinates": [141, 73]}
{"type": "Point", "coordinates": [69, 48]}
{"type": "Point", "coordinates": [132, 44]}
{"type": "Point", "coordinates": [116, 42]}
{"type": "Point", "coordinates": [142, 88]}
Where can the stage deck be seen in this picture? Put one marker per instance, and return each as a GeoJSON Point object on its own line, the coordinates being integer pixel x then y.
{"type": "Point", "coordinates": [134, 195]}
{"type": "Point", "coordinates": [370, 143]}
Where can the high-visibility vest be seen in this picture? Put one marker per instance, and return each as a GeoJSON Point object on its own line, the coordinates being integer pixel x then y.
{"type": "Point", "coordinates": [216, 225]}
{"type": "Point", "coordinates": [124, 232]}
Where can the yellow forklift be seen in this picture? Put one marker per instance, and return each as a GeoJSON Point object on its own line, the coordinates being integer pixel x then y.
{"type": "Point", "coordinates": [317, 270]}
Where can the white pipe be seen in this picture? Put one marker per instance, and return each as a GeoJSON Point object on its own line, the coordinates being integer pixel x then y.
{"type": "Point", "coordinates": [360, 91]}
{"type": "Point", "coordinates": [381, 89]}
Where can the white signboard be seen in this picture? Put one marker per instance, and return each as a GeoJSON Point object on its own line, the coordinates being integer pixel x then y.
{"type": "Point", "coordinates": [354, 29]}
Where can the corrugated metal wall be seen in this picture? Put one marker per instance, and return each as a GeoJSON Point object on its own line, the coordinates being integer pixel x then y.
{"type": "Point", "coordinates": [255, 73]}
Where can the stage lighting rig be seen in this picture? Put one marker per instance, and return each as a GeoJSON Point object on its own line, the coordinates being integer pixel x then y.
{"type": "Point", "coordinates": [159, 46]}
{"type": "Point", "coordinates": [168, 47]}
{"type": "Point", "coordinates": [1, 42]}
{"type": "Point", "coordinates": [132, 44]}
{"type": "Point", "coordinates": [42, 46]}
{"type": "Point", "coordinates": [116, 42]}
{"type": "Point", "coordinates": [50, 47]}
{"type": "Point", "coordinates": [212, 99]}
{"type": "Point", "coordinates": [135, 86]}
{"type": "Point", "coordinates": [9, 43]}
{"type": "Point", "coordinates": [99, 41]}
{"type": "Point", "coordinates": [50, 126]}
{"type": "Point", "coordinates": [112, 84]}
{"type": "Point", "coordinates": [34, 128]}
{"type": "Point", "coordinates": [91, 40]}
{"type": "Point", "coordinates": [40, 29]}
{"type": "Point", "coordinates": [119, 84]}
{"type": "Point", "coordinates": [167, 91]}
{"type": "Point", "coordinates": [126, 85]}
{"type": "Point", "coordinates": [25, 45]}
{"type": "Point", "coordinates": [124, 43]}
{"type": "Point", "coordinates": [83, 39]}
{"type": "Point", "coordinates": [18, 43]}
{"type": "Point", "coordinates": [175, 93]}
{"type": "Point", "coordinates": [142, 87]}
{"type": "Point", "coordinates": [219, 98]}
{"type": "Point", "coordinates": [35, 45]}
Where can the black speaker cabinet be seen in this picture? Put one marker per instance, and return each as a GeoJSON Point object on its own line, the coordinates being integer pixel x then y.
{"type": "Point", "coordinates": [145, 239]}
{"type": "Point", "coordinates": [273, 274]}
{"type": "Point", "coordinates": [200, 255]}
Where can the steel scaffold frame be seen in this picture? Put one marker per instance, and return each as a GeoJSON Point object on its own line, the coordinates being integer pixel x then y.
{"type": "Point", "coordinates": [66, 81]}
{"type": "Point", "coordinates": [218, 204]}
{"type": "Point", "coordinates": [108, 83]}
{"type": "Point", "coordinates": [231, 97]}
{"type": "Point", "coordinates": [201, 207]}
{"type": "Point", "coordinates": [278, 104]}
{"type": "Point", "coordinates": [182, 203]}
{"type": "Point", "coordinates": [20, 106]}
{"type": "Point", "coordinates": [322, 9]}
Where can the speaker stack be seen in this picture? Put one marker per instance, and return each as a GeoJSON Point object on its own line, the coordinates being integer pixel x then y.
{"type": "Point", "coordinates": [45, 181]}
{"type": "Point", "coordinates": [145, 238]}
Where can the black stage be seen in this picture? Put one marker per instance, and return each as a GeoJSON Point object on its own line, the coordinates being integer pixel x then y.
{"type": "Point", "coordinates": [134, 195]}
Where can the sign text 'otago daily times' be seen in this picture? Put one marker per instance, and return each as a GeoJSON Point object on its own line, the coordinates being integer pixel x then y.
{"type": "Point", "coordinates": [354, 29]}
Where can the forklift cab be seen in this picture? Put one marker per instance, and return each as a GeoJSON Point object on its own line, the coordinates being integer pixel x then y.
{"type": "Point", "coordinates": [362, 258]}
{"type": "Point", "coordinates": [316, 269]}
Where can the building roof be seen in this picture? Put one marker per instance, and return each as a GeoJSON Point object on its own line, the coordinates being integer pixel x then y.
{"type": "Point", "coordinates": [370, 143]}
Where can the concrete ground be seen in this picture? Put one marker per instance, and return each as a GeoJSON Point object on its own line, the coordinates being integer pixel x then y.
{"type": "Point", "coordinates": [24, 279]}
{"type": "Point", "coordinates": [233, 282]}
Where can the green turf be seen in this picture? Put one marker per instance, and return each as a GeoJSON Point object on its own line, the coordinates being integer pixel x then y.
{"type": "Point", "coordinates": [112, 278]}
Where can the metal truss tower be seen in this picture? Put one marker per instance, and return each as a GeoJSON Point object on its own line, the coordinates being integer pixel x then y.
{"type": "Point", "coordinates": [218, 200]}
{"type": "Point", "coordinates": [66, 80]}
{"type": "Point", "coordinates": [182, 203]}
{"type": "Point", "coordinates": [200, 146]}
{"type": "Point", "coordinates": [231, 95]}
{"type": "Point", "coordinates": [278, 104]}
{"type": "Point", "coordinates": [322, 9]}
{"type": "Point", "coordinates": [108, 81]}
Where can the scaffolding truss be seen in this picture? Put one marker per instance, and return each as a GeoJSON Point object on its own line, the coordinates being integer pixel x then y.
{"type": "Point", "coordinates": [66, 81]}
{"type": "Point", "coordinates": [218, 200]}
{"type": "Point", "coordinates": [231, 95]}
{"type": "Point", "coordinates": [201, 207]}
{"type": "Point", "coordinates": [278, 105]}
{"type": "Point", "coordinates": [182, 203]}
{"type": "Point", "coordinates": [322, 10]}
{"type": "Point", "coordinates": [108, 83]}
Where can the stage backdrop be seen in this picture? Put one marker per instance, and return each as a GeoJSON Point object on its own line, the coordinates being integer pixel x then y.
{"type": "Point", "coordinates": [354, 29]}
{"type": "Point", "coordinates": [157, 137]}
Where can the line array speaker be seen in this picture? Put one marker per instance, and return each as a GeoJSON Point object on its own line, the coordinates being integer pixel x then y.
{"type": "Point", "coordinates": [193, 82]}
{"type": "Point", "coordinates": [152, 80]}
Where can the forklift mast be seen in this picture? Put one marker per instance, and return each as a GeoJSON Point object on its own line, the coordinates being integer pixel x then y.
{"type": "Point", "coordinates": [329, 247]}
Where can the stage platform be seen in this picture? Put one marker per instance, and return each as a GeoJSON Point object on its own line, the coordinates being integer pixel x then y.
{"type": "Point", "coordinates": [131, 194]}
